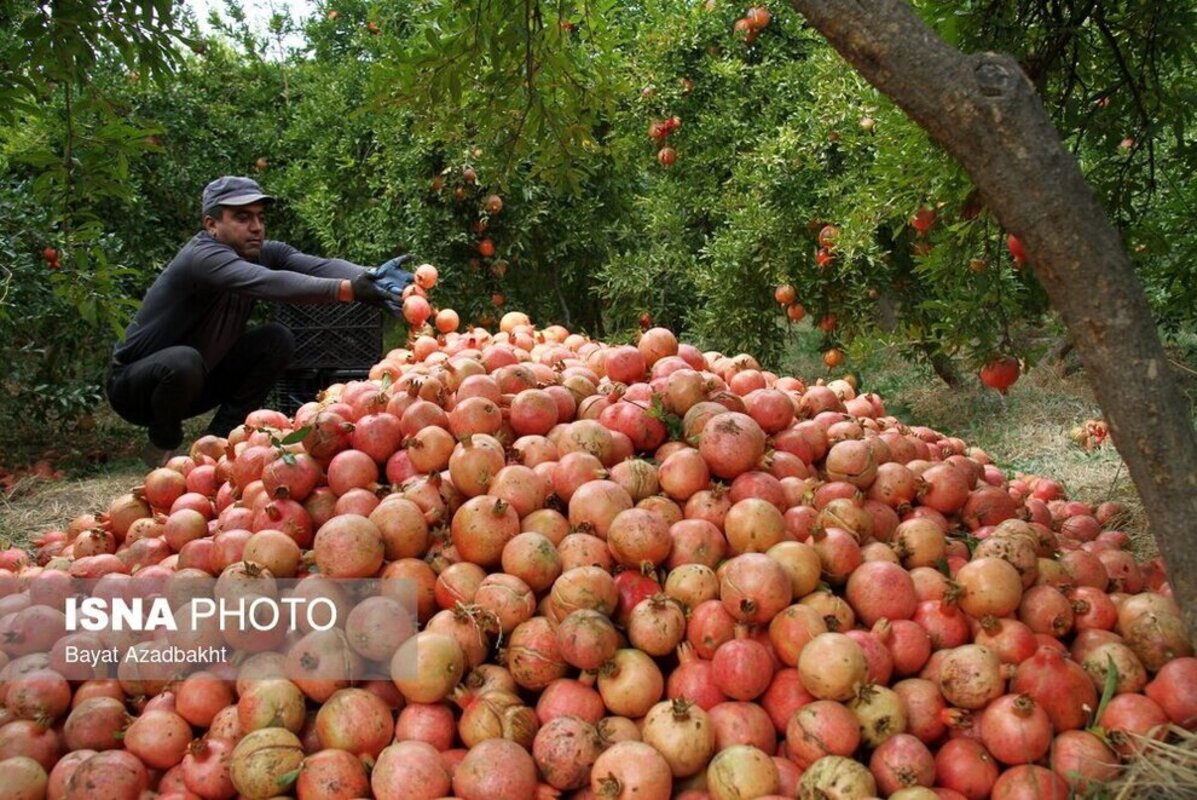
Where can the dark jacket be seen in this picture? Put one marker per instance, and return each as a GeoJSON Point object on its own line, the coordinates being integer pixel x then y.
{"type": "Point", "coordinates": [204, 297]}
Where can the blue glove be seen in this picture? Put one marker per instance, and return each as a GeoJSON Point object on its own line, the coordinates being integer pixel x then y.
{"type": "Point", "coordinates": [391, 277]}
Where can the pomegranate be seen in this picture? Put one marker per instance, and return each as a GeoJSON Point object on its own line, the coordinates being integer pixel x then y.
{"type": "Point", "coordinates": [533, 655]}
{"type": "Point", "coordinates": [752, 525]}
{"type": "Point", "coordinates": [349, 546]}
{"type": "Point", "coordinates": [1117, 661]}
{"type": "Point", "coordinates": [569, 697]}
{"type": "Point", "coordinates": [1059, 686]}
{"type": "Point", "coordinates": [1029, 781]}
{"type": "Point", "coordinates": [497, 714]}
{"type": "Point", "coordinates": [989, 586]}
{"type": "Point", "coordinates": [843, 776]}
{"type": "Point", "coordinates": [1174, 689]}
{"type": "Point", "coordinates": [791, 629]}
{"type": "Point", "coordinates": [332, 773]}
{"type": "Point", "coordinates": [965, 766]}
{"type": "Point", "coordinates": [583, 587]}
{"type": "Point", "coordinates": [639, 539]}
{"type": "Point", "coordinates": [264, 760]}
{"type": "Point", "coordinates": [924, 706]}
{"type": "Point", "coordinates": [693, 680]}
{"type": "Point", "coordinates": [732, 443]}
{"type": "Point", "coordinates": [695, 541]}
{"type": "Point", "coordinates": [1012, 640]}
{"type": "Point", "coordinates": [879, 712]}
{"type": "Point", "coordinates": [741, 771]}
{"type": "Point", "coordinates": [1001, 372]}
{"type": "Point", "coordinates": [1083, 760]}
{"type": "Point", "coordinates": [430, 723]}
{"type": "Point", "coordinates": [586, 638]}
{"type": "Point", "coordinates": [356, 721]}
{"type": "Point", "coordinates": [496, 769]}
{"type": "Point", "coordinates": [742, 723]}
{"type": "Point", "coordinates": [947, 626]}
{"type": "Point", "coordinates": [630, 682]}
{"type": "Point", "coordinates": [629, 770]}
{"type": "Point", "coordinates": [743, 667]}
{"type": "Point", "coordinates": [565, 750]}
{"type": "Point", "coordinates": [159, 738]}
{"type": "Point", "coordinates": [1015, 729]}
{"type": "Point", "coordinates": [754, 588]}
{"type": "Point", "coordinates": [971, 677]}
{"type": "Point", "coordinates": [851, 460]}
{"type": "Point", "coordinates": [427, 666]}
{"type": "Point", "coordinates": [1156, 638]}
{"type": "Point", "coordinates": [119, 772]}
{"type": "Point", "coordinates": [879, 589]}
{"type": "Point", "coordinates": [832, 666]}
{"type": "Point", "coordinates": [820, 728]}
{"type": "Point", "coordinates": [691, 584]}
{"type": "Point", "coordinates": [902, 761]}
{"type": "Point", "coordinates": [656, 625]}
{"type": "Point", "coordinates": [1131, 715]}
{"type": "Point", "coordinates": [682, 733]}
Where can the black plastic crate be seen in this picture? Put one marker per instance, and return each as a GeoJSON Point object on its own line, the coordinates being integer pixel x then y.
{"type": "Point", "coordinates": [299, 386]}
{"type": "Point", "coordinates": [334, 335]}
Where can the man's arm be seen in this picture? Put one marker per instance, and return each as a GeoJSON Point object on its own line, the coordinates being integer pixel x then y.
{"type": "Point", "coordinates": [218, 266]}
{"type": "Point", "coordinates": [282, 256]}
{"type": "Point", "coordinates": [380, 285]}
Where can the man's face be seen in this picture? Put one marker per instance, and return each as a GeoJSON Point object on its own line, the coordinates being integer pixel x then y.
{"type": "Point", "coordinates": [241, 227]}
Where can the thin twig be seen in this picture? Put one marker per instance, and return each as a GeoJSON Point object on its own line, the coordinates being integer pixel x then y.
{"type": "Point", "coordinates": [1114, 481]}
{"type": "Point", "coordinates": [5, 284]}
{"type": "Point", "coordinates": [1181, 366]}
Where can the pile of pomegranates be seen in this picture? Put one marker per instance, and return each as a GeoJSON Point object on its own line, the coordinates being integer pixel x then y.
{"type": "Point", "coordinates": [641, 572]}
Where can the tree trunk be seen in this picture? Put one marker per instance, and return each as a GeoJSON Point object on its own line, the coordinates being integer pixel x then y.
{"type": "Point", "coordinates": [982, 109]}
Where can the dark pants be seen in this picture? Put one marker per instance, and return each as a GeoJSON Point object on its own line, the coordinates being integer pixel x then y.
{"type": "Point", "coordinates": [167, 387]}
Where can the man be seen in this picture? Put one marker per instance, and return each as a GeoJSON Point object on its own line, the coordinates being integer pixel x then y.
{"type": "Point", "coordinates": [188, 349]}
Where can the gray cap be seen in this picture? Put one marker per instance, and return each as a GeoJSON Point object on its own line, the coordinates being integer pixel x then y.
{"type": "Point", "coordinates": [231, 190]}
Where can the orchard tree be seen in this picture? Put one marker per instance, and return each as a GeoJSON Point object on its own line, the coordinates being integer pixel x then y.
{"type": "Point", "coordinates": [736, 221]}
{"type": "Point", "coordinates": [732, 148]}
{"type": "Point", "coordinates": [984, 111]}
{"type": "Point", "coordinates": [64, 164]}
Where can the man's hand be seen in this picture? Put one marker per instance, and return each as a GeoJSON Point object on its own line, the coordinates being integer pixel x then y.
{"type": "Point", "coordinates": [391, 275]}
{"type": "Point", "coordinates": [366, 290]}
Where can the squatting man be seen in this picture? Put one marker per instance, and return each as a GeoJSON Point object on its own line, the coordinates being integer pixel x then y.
{"type": "Point", "coordinates": [190, 348]}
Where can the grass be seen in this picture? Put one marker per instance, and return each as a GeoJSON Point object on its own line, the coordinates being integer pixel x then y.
{"type": "Point", "coordinates": [1162, 770]}
{"type": "Point", "coordinates": [99, 464]}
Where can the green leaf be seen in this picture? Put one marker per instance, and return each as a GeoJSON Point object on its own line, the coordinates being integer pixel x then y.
{"type": "Point", "coordinates": [673, 423]}
{"type": "Point", "coordinates": [296, 436]}
{"type": "Point", "coordinates": [287, 778]}
{"type": "Point", "coordinates": [1108, 691]}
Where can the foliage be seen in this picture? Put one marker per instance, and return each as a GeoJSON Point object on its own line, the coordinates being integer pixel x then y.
{"type": "Point", "coordinates": [1119, 79]}
{"type": "Point", "coordinates": [66, 150]}
{"type": "Point", "coordinates": [385, 125]}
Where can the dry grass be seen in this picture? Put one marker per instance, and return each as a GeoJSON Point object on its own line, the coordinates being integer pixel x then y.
{"type": "Point", "coordinates": [38, 505]}
{"type": "Point", "coordinates": [101, 465]}
{"type": "Point", "coordinates": [1164, 770]}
